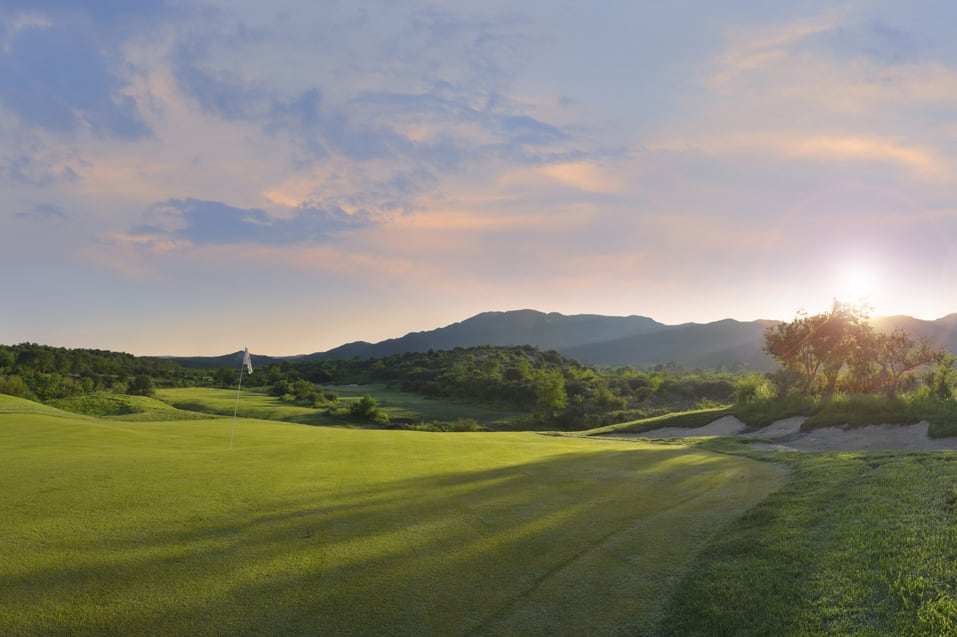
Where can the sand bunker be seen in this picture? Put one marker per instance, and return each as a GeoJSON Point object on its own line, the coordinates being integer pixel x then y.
{"type": "Point", "coordinates": [786, 435]}
{"type": "Point", "coordinates": [724, 426]}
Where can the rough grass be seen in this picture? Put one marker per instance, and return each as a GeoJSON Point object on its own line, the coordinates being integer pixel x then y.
{"type": "Point", "coordinates": [160, 528]}
{"type": "Point", "coordinates": [417, 408]}
{"type": "Point", "coordinates": [126, 408]}
{"type": "Point", "coordinates": [854, 544]}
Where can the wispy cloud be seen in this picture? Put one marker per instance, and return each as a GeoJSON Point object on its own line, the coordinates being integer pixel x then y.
{"type": "Point", "coordinates": [44, 214]}
{"type": "Point", "coordinates": [198, 222]}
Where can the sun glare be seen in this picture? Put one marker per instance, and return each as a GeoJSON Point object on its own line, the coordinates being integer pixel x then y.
{"type": "Point", "coordinates": [858, 282]}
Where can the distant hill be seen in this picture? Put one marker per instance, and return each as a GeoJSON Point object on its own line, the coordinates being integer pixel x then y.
{"type": "Point", "coordinates": [601, 340]}
{"type": "Point", "coordinates": [589, 338]}
{"type": "Point", "coordinates": [940, 333]}
{"type": "Point", "coordinates": [226, 360]}
{"type": "Point", "coordinates": [726, 343]}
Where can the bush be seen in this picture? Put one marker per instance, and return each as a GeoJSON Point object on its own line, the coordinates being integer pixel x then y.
{"type": "Point", "coordinates": [462, 424]}
{"type": "Point", "coordinates": [15, 386]}
{"type": "Point", "coordinates": [751, 388]}
{"type": "Point", "coordinates": [366, 408]}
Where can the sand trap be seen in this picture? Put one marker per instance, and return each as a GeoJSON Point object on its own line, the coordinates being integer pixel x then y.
{"type": "Point", "coordinates": [786, 435]}
{"type": "Point", "coordinates": [724, 426]}
{"type": "Point", "coordinates": [781, 428]}
{"type": "Point", "coordinates": [871, 438]}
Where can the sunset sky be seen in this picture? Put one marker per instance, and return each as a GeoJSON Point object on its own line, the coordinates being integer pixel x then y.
{"type": "Point", "coordinates": [191, 177]}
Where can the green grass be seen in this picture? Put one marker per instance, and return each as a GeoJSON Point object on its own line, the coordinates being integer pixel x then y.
{"type": "Point", "coordinates": [115, 528]}
{"type": "Point", "coordinates": [854, 544]}
{"type": "Point", "coordinates": [398, 405]}
{"type": "Point", "coordinates": [251, 404]}
{"type": "Point", "coordinates": [123, 407]}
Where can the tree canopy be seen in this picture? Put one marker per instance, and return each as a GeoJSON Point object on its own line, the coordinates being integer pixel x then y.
{"type": "Point", "coordinates": [839, 349]}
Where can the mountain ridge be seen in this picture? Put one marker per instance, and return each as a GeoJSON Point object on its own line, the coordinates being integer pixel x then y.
{"type": "Point", "coordinates": [603, 340]}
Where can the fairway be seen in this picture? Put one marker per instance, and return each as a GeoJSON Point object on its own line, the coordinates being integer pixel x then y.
{"type": "Point", "coordinates": [160, 528]}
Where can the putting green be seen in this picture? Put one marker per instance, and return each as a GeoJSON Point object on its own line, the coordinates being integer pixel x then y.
{"type": "Point", "coordinates": [161, 528]}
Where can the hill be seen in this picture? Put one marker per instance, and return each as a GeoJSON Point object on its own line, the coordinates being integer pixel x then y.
{"type": "Point", "coordinates": [518, 327]}
{"type": "Point", "coordinates": [590, 338]}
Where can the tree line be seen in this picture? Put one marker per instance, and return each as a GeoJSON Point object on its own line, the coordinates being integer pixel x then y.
{"type": "Point", "coordinates": [42, 372]}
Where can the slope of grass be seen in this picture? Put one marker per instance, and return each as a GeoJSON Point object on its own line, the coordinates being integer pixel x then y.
{"type": "Point", "coordinates": [222, 402]}
{"type": "Point", "coordinates": [122, 407]}
{"type": "Point", "coordinates": [22, 406]}
{"type": "Point", "coordinates": [854, 544]}
{"type": "Point", "coordinates": [160, 528]}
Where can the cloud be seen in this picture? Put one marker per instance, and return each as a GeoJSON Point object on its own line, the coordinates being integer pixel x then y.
{"type": "Point", "coordinates": [37, 168]}
{"type": "Point", "coordinates": [63, 79]}
{"type": "Point", "coordinates": [840, 148]}
{"type": "Point", "coordinates": [584, 175]}
{"type": "Point", "coordinates": [821, 148]}
{"type": "Point", "coordinates": [402, 96]}
{"type": "Point", "coordinates": [44, 214]}
{"type": "Point", "coordinates": [197, 222]}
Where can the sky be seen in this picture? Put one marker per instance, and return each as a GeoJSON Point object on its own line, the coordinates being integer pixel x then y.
{"type": "Point", "coordinates": [189, 177]}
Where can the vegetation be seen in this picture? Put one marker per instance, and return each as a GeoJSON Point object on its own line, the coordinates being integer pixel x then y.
{"type": "Point", "coordinates": [403, 410]}
{"type": "Point", "coordinates": [839, 349]}
{"type": "Point", "coordinates": [547, 390]}
{"type": "Point", "coordinates": [162, 529]}
{"type": "Point", "coordinates": [127, 408]}
{"type": "Point", "coordinates": [555, 392]}
{"type": "Point", "coordinates": [41, 372]}
{"type": "Point", "coordinates": [853, 544]}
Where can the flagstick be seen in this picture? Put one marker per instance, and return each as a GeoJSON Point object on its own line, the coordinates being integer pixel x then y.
{"type": "Point", "coordinates": [236, 409]}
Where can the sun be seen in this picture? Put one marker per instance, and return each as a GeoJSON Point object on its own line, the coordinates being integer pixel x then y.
{"type": "Point", "coordinates": [857, 282]}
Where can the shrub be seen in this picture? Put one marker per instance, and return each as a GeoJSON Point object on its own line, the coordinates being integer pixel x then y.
{"type": "Point", "coordinates": [15, 386]}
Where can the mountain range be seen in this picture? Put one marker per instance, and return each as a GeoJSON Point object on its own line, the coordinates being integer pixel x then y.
{"type": "Point", "coordinates": [604, 340]}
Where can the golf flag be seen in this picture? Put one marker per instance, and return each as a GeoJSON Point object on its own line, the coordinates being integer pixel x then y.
{"type": "Point", "coordinates": [247, 361]}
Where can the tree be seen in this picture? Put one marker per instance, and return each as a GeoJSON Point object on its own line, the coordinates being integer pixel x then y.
{"type": "Point", "coordinates": [897, 354]}
{"type": "Point", "coordinates": [550, 393]}
{"type": "Point", "coordinates": [303, 389]}
{"type": "Point", "coordinates": [819, 346]}
{"type": "Point", "coordinates": [280, 388]}
{"type": "Point", "coordinates": [141, 385]}
{"type": "Point", "coordinates": [226, 377]}
{"type": "Point", "coordinates": [940, 378]}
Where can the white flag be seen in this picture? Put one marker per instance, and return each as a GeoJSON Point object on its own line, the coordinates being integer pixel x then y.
{"type": "Point", "coordinates": [247, 361]}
